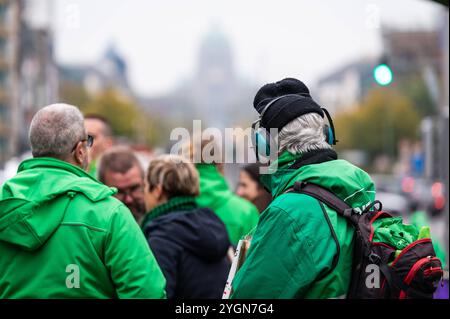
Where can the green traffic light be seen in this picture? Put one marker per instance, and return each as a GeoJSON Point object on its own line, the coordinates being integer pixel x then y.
{"type": "Point", "coordinates": [383, 74]}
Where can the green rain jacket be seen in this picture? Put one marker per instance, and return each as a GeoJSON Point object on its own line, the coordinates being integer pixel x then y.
{"type": "Point", "coordinates": [62, 235]}
{"type": "Point", "coordinates": [239, 215]}
{"type": "Point", "coordinates": [293, 246]}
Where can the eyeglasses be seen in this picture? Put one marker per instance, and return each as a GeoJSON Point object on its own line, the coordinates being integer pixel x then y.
{"type": "Point", "coordinates": [133, 191]}
{"type": "Point", "coordinates": [89, 140]}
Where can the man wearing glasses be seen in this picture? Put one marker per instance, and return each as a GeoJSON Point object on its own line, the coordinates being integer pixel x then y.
{"type": "Point", "coordinates": [121, 169]}
{"type": "Point", "coordinates": [62, 233]}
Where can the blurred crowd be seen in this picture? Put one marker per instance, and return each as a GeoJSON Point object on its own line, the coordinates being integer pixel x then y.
{"type": "Point", "coordinates": [87, 217]}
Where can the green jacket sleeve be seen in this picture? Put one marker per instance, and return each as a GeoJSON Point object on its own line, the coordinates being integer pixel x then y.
{"type": "Point", "coordinates": [132, 265]}
{"type": "Point", "coordinates": [279, 263]}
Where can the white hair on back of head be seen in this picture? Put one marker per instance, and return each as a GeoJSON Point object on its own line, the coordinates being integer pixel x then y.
{"type": "Point", "coordinates": [55, 129]}
{"type": "Point", "coordinates": [303, 134]}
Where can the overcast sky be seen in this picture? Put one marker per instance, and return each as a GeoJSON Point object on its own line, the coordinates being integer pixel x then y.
{"type": "Point", "coordinates": [270, 39]}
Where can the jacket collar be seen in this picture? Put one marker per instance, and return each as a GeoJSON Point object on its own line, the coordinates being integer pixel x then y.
{"type": "Point", "coordinates": [314, 157]}
{"type": "Point", "coordinates": [50, 162]}
{"type": "Point", "coordinates": [281, 172]}
{"type": "Point", "coordinates": [175, 204]}
{"type": "Point", "coordinates": [85, 184]}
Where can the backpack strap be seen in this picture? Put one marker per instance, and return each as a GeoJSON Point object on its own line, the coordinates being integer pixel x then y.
{"type": "Point", "coordinates": [323, 195]}
{"type": "Point", "coordinates": [330, 199]}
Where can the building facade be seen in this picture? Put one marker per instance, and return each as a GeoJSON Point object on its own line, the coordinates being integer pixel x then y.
{"type": "Point", "coordinates": [28, 74]}
{"type": "Point", "coordinates": [10, 29]}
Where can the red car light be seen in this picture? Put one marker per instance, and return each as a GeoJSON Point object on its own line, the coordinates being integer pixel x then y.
{"type": "Point", "coordinates": [436, 190]}
{"type": "Point", "coordinates": [439, 202]}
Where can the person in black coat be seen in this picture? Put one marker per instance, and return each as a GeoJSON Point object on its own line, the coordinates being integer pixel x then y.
{"type": "Point", "coordinates": [189, 243]}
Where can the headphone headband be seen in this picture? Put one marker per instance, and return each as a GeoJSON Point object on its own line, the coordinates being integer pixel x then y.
{"type": "Point", "coordinates": [276, 99]}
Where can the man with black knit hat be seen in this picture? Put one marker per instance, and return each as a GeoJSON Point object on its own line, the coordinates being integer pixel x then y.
{"type": "Point", "coordinates": [301, 248]}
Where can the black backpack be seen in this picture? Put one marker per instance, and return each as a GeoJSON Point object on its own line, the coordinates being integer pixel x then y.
{"type": "Point", "coordinates": [414, 273]}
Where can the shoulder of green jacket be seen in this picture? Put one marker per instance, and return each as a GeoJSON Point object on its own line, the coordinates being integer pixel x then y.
{"type": "Point", "coordinates": [60, 177]}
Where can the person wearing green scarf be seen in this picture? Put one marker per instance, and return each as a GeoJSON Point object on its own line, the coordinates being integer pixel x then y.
{"type": "Point", "coordinates": [189, 242]}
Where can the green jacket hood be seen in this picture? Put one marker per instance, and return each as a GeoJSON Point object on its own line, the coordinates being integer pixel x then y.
{"type": "Point", "coordinates": [348, 182]}
{"type": "Point", "coordinates": [214, 190]}
{"type": "Point", "coordinates": [25, 217]}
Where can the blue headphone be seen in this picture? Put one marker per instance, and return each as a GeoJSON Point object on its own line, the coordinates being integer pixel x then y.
{"type": "Point", "coordinates": [260, 136]}
{"type": "Point", "coordinates": [328, 130]}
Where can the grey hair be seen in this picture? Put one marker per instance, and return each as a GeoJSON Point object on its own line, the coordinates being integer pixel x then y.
{"type": "Point", "coordinates": [55, 129]}
{"type": "Point", "coordinates": [303, 134]}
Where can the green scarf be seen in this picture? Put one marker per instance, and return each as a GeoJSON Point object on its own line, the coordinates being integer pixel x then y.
{"type": "Point", "coordinates": [178, 203]}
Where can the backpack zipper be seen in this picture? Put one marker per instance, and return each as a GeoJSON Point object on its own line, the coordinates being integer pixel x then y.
{"type": "Point", "coordinates": [420, 241]}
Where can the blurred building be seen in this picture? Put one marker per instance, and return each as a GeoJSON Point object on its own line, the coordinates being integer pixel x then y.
{"type": "Point", "coordinates": [411, 51]}
{"type": "Point", "coordinates": [346, 86]}
{"type": "Point", "coordinates": [408, 52]}
{"type": "Point", "coordinates": [10, 29]}
{"type": "Point", "coordinates": [38, 77]}
{"type": "Point", "coordinates": [109, 71]}
{"type": "Point", "coordinates": [421, 53]}
{"type": "Point", "coordinates": [214, 93]}
{"type": "Point", "coordinates": [28, 74]}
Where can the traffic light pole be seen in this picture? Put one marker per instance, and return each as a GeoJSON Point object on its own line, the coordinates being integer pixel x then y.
{"type": "Point", "coordinates": [444, 141]}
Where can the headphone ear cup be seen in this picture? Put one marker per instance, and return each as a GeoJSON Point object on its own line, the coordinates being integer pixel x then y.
{"type": "Point", "coordinates": [331, 136]}
{"type": "Point", "coordinates": [262, 146]}
{"type": "Point", "coordinates": [328, 132]}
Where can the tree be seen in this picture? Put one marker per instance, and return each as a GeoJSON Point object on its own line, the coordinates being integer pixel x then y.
{"type": "Point", "coordinates": [73, 93]}
{"type": "Point", "coordinates": [377, 125]}
{"type": "Point", "coordinates": [120, 111]}
{"type": "Point", "coordinates": [415, 88]}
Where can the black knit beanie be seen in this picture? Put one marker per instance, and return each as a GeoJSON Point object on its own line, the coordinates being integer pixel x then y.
{"type": "Point", "coordinates": [288, 108]}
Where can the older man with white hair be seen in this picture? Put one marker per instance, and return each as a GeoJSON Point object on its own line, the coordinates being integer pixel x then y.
{"type": "Point", "coordinates": [62, 233]}
{"type": "Point", "coordinates": [301, 248]}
